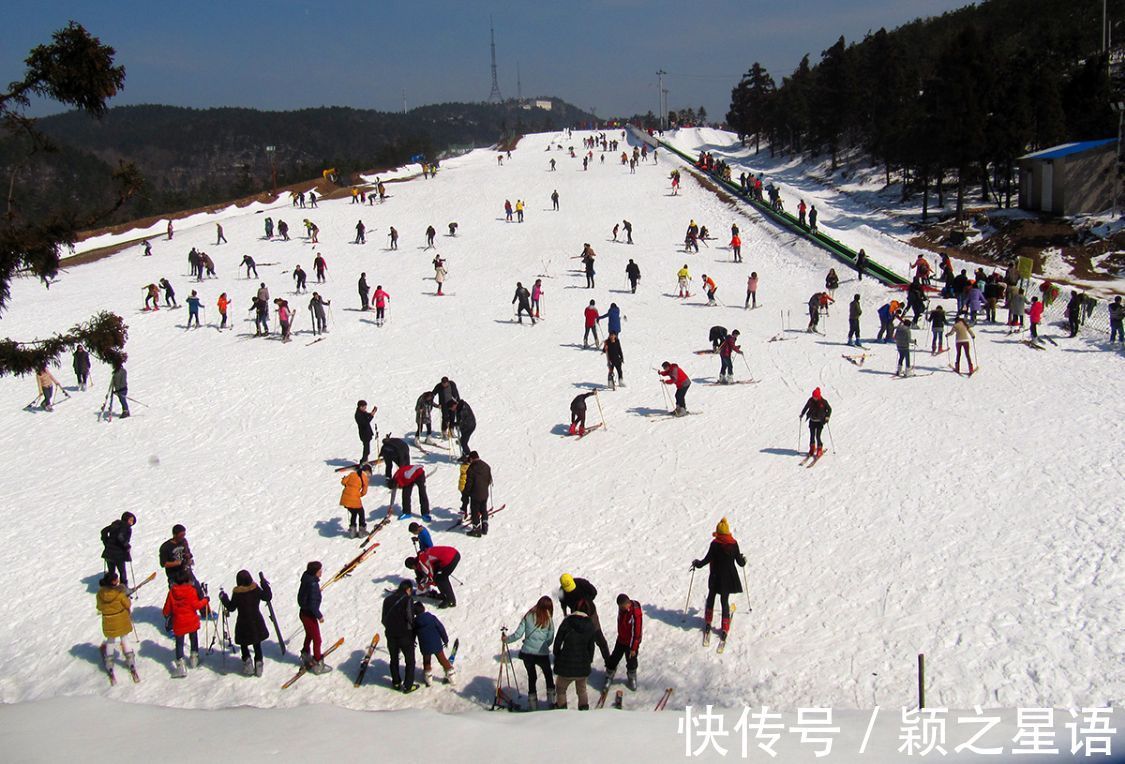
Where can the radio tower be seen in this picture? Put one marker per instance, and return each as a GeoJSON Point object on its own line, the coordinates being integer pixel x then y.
{"type": "Point", "coordinates": [494, 96]}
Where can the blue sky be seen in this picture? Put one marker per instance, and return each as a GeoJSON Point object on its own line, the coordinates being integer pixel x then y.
{"type": "Point", "coordinates": [290, 54]}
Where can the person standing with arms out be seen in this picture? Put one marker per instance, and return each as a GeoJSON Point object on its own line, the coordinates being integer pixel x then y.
{"type": "Point", "coordinates": [308, 602]}
{"type": "Point", "coordinates": [722, 556]}
{"type": "Point", "coordinates": [537, 628]}
{"type": "Point", "coordinates": [193, 305]}
{"type": "Point", "coordinates": [301, 278]}
{"type": "Point", "coordinates": [726, 350]}
{"type": "Point", "coordinates": [351, 499]}
{"type": "Point", "coordinates": [554, 194]}
{"type": "Point", "coordinates": [590, 318]}
{"type": "Point", "coordinates": [615, 359]}
{"type": "Point", "coordinates": [819, 412]}
{"type": "Point", "coordinates": [536, 295]}
{"type": "Point", "coordinates": [937, 329]}
{"type": "Point", "coordinates": [381, 299]}
{"type": "Point", "coordinates": [81, 363]}
{"type": "Point", "coordinates": [683, 278]}
{"type": "Point", "coordinates": [320, 319]}
{"type": "Point", "coordinates": [222, 304]}
{"type": "Point", "coordinates": [751, 291]}
{"type": "Point", "coordinates": [432, 641]}
{"type": "Point", "coordinates": [182, 605]}
{"type": "Point", "coordinates": [587, 258]}
{"type": "Point", "coordinates": [477, 488]}
{"type": "Point", "coordinates": [393, 236]}
{"type": "Point", "coordinates": [855, 310]}
{"type": "Point", "coordinates": [574, 656]}
{"type": "Point", "coordinates": [364, 290]}
{"type": "Point", "coordinates": [633, 273]}
{"type": "Point", "coordinates": [321, 267]}
{"type": "Point", "coordinates": [117, 545]}
{"type": "Point", "coordinates": [965, 335]}
{"type": "Point", "coordinates": [117, 620]}
{"type": "Point", "coordinates": [398, 626]}
{"type": "Point", "coordinates": [676, 376]}
{"type": "Point", "coordinates": [363, 419]}
{"type": "Point", "coordinates": [119, 386]}
{"type": "Point", "coordinates": [629, 624]}
{"type": "Point", "coordinates": [250, 628]}
{"type": "Point", "coordinates": [522, 296]}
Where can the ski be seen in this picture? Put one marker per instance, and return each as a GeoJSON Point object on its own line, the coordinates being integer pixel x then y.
{"type": "Point", "coordinates": [663, 702]}
{"type": "Point", "coordinates": [273, 615]}
{"type": "Point", "coordinates": [108, 668]}
{"type": "Point", "coordinates": [463, 519]}
{"type": "Point", "coordinates": [583, 434]}
{"type": "Point", "coordinates": [453, 652]}
{"type": "Point", "coordinates": [723, 639]}
{"type": "Point", "coordinates": [305, 669]}
{"type": "Point", "coordinates": [151, 577]}
{"type": "Point", "coordinates": [810, 466]}
{"type": "Point", "coordinates": [366, 660]}
{"type": "Point", "coordinates": [855, 360]}
{"type": "Point", "coordinates": [705, 352]}
{"type": "Point", "coordinates": [378, 527]}
{"type": "Point", "coordinates": [1033, 345]}
{"type": "Point", "coordinates": [349, 567]}
{"type": "Point", "coordinates": [132, 665]}
{"type": "Point", "coordinates": [733, 382]}
{"type": "Point", "coordinates": [913, 374]}
{"type": "Point", "coordinates": [619, 700]}
{"type": "Point", "coordinates": [369, 462]}
{"type": "Point", "coordinates": [605, 692]}
{"type": "Point", "coordinates": [318, 339]}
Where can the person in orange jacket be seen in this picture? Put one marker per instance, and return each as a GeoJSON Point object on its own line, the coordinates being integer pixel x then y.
{"type": "Point", "coordinates": [222, 305]}
{"type": "Point", "coordinates": [184, 604]}
{"type": "Point", "coordinates": [355, 488]}
{"type": "Point", "coordinates": [709, 287]}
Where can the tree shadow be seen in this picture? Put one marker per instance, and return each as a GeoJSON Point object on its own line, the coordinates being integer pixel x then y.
{"type": "Point", "coordinates": [781, 451]}
{"type": "Point", "coordinates": [333, 528]}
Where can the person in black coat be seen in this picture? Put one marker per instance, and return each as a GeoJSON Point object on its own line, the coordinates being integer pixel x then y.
{"type": "Point", "coordinates": [722, 556]}
{"type": "Point", "coordinates": [446, 393]}
{"type": "Point", "coordinates": [466, 423]}
{"type": "Point", "coordinates": [478, 482]}
{"type": "Point", "coordinates": [716, 337]}
{"type": "Point", "coordinates": [633, 273]}
{"type": "Point", "coordinates": [395, 453]}
{"type": "Point", "coordinates": [116, 545]}
{"type": "Point", "coordinates": [614, 359]}
{"type": "Point", "coordinates": [578, 413]}
{"type": "Point", "coordinates": [363, 419]}
{"type": "Point", "coordinates": [574, 655]}
{"type": "Point", "coordinates": [81, 366]}
{"type": "Point", "coordinates": [423, 415]}
{"type": "Point", "coordinates": [398, 625]}
{"type": "Point", "coordinates": [580, 593]}
{"type": "Point", "coordinates": [250, 628]}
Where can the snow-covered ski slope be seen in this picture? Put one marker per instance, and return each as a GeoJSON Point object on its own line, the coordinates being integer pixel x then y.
{"type": "Point", "coordinates": [976, 520]}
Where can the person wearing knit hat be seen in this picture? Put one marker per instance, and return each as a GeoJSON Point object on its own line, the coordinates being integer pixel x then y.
{"type": "Point", "coordinates": [579, 591]}
{"type": "Point", "coordinates": [818, 412]}
{"type": "Point", "coordinates": [723, 581]}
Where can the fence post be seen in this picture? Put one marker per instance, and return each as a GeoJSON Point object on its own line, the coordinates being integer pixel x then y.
{"type": "Point", "coordinates": [921, 681]}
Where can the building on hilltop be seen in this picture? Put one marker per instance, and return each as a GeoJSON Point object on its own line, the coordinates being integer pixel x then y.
{"type": "Point", "coordinates": [1069, 179]}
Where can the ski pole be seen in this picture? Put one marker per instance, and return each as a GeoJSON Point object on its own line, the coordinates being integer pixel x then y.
{"type": "Point", "coordinates": [747, 364]}
{"type": "Point", "coordinates": [600, 412]}
{"type": "Point", "coordinates": [746, 589]}
{"type": "Point", "coordinates": [691, 583]}
{"type": "Point", "coordinates": [36, 400]}
{"type": "Point", "coordinates": [830, 438]}
{"type": "Point", "coordinates": [134, 400]}
{"type": "Point", "coordinates": [798, 435]}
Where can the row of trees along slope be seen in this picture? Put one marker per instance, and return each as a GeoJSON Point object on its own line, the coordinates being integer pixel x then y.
{"type": "Point", "coordinates": [964, 93]}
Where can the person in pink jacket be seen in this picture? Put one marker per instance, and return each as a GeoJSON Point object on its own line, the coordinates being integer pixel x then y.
{"type": "Point", "coordinates": [284, 317]}
{"type": "Point", "coordinates": [381, 298]}
{"type": "Point", "coordinates": [536, 293]}
{"type": "Point", "coordinates": [752, 290]}
{"type": "Point", "coordinates": [1036, 314]}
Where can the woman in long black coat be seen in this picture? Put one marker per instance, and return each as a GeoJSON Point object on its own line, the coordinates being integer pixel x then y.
{"type": "Point", "coordinates": [722, 556]}
{"type": "Point", "coordinates": [250, 629]}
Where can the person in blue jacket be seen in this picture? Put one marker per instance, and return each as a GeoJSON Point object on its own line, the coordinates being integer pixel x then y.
{"type": "Point", "coordinates": [886, 328]}
{"type": "Point", "coordinates": [537, 628]}
{"type": "Point", "coordinates": [193, 304]}
{"type": "Point", "coordinates": [614, 316]}
{"type": "Point", "coordinates": [432, 641]}
{"type": "Point", "coordinates": [421, 536]}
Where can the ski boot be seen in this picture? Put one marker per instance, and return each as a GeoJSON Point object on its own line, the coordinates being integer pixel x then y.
{"type": "Point", "coordinates": [179, 670]}
{"type": "Point", "coordinates": [532, 702]}
{"type": "Point", "coordinates": [248, 667]}
{"type": "Point", "coordinates": [193, 660]}
{"type": "Point", "coordinates": [819, 451]}
{"type": "Point", "coordinates": [306, 659]}
{"type": "Point", "coordinates": [428, 678]}
{"type": "Point", "coordinates": [631, 680]}
{"type": "Point", "coordinates": [363, 529]}
{"type": "Point", "coordinates": [409, 688]}
{"type": "Point", "coordinates": [107, 658]}
{"type": "Point", "coordinates": [259, 667]}
{"type": "Point", "coordinates": [319, 668]}
{"type": "Point", "coordinates": [475, 532]}
{"type": "Point", "coordinates": [451, 675]}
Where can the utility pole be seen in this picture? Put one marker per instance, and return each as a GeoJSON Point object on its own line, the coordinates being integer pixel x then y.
{"type": "Point", "coordinates": [494, 96]}
{"type": "Point", "coordinates": [660, 96]}
{"type": "Point", "coordinates": [1119, 107]}
{"type": "Point", "coordinates": [519, 86]}
{"type": "Point", "coordinates": [272, 150]}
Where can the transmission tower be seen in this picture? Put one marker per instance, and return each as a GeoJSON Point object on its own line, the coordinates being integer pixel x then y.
{"type": "Point", "coordinates": [494, 96]}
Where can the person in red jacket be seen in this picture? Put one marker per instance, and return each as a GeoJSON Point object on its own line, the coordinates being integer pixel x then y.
{"type": "Point", "coordinates": [591, 316]}
{"type": "Point", "coordinates": [407, 477]}
{"type": "Point", "coordinates": [183, 604]}
{"type": "Point", "coordinates": [726, 350]}
{"type": "Point", "coordinates": [629, 619]}
{"type": "Point", "coordinates": [1036, 314]}
{"type": "Point", "coordinates": [677, 377]}
{"type": "Point", "coordinates": [433, 567]}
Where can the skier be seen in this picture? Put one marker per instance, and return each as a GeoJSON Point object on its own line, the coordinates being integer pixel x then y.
{"type": "Point", "coordinates": [937, 329]}
{"type": "Point", "coordinates": [1035, 315]}
{"type": "Point", "coordinates": [283, 230]}
{"type": "Point", "coordinates": [1017, 303]}
{"type": "Point", "coordinates": [676, 376]}
{"type": "Point", "coordinates": [434, 566]}
{"type": "Point", "coordinates": [751, 291]}
{"type": "Point", "coordinates": [722, 581]}
{"type": "Point", "coordinates": [717, 336]}
{"type": "Point", "coordinates": [222, 304]}
{"type": "Point", "coordinates": [398, 626]}
{"type": "Point", "coordinates": [522, 296]}
{"type": "Point", "coordinates": [903, 340]}
{"type": "Point", "coordinates": [537, 628]}
{"type": "Point", "coordinates": [615, 359]}
{"type": "Point", "coordinates": [628, 231]}
{"type": "Point", "coordinates": [555, 197]}
{"type": "Point", "coordinates": [860, 263]}
{"type": "Point", "coordinates": [169, 294]}
{"type": "Point", "coordinates": [590, 318]}
{"type": "Point", "coordinates": [574, 654]}
{"type": "Point", "coordinates": [613, 316]}
{"type": "Point", "coordinates": [519, 210]}
{"type": "Point", "coordinates": [152, 292]}
{"type": "Point", "coordinates": [169, 230]}
{"type": "Point", "coordinates": [633, 273]}
{"type": "Point", "coordinates": [616, 228]}
{"type": "Point", "coordinates": [423, 415]}
{"type": "Point", "coordinates": [709, 287]}
{"type": "Point", "coordinates": [452, 229]}
{"type": "Point", "coordinates": [394, 453]}
{"type": "Point", "coordinates": [119, 386]}
{"type": "Point", "coordinates": [439, 276]}
{"type": "Point", "coordinates": [802, 209]}
{"type": "Point", "coordinates": [116, 546]}
{"type": "Point", "coordinates": [736, 247]}
{"type": "Point", "coordinates": [360, 233]}
{"type": "Point", "coordinates": [1073, 315]}
{"type": "Point", "coordinates": [269, 228]}
{"type": "Point", "coordinates": [81, 364]}
{"type": "Point", "coordinates": [726, 350]}
{"type": "Point", "coordinates": [683, 276]}
{"type": "Point", "coordinates": [381, 298]}
{"type": "Point", "coordinates": [1116, 317]}
{"type": "Point", "coordinates": [284, 317]}
{"type": "Point", "coordinates": [578, 413]}
{"type": "Point", "coordinates": [175, 555]}
{"type": "Point", "coordinates": [393, 236]}
{"type": "Point", "coordinates": [320, 266]}
{"type": "Point", "coordinates": [46, 383]}
{"type": "Point", "coordinates": [308, 604]}
{"type": "Point", "coordinates": [311, 231]}
{"type": "Point", "coordinates": [536, 295]}
{"type": "Point", "coordinates": [250, 266]}
{"type": "Point", "coordinates": [364, 290]}
{"type": "Point", "coordinates": [886, 323]}
{"type": "Point", "coordinates": [182, 605]}
{"type": "Point", "coordinates": [432, 641]}
{"type": "Point", "coordinates": [193, 263]}
{"type": "Point", "coordinates": [420, 537]}
{"type": "Point", "coordinates": [812, 219]}
{"type": "Point", "coordinates": [219, 239]}
{"type": "Point", "coordinates": [316, 306]}
{"type": "Point", "coordinates": [832, 282]}
{"type": "Point", "coordinates": [446, 393]}
{"type": "Point", "coordinates": [301, 278]}
{"type": "Point", "coordinates": [117, 620]}
{"type": "Point", "coordinates": [430, 234]}
{"type": "Point", "coordinates": [148, 248]}
{"type": "Point", "coordinates": [587, 258]}
{"type": "Point", "coordinates": [466, 423]}
{"type": "Point", "coordinates": [462, 479]}
{"type": "Point", "coordinates": [477, 488]}
{"type": "Point", "coordinates": [406, 478]}
{"type": "Point", "coordinates": [351, 499]}
{"type": "Point", "coordinates": [814, 313]}
{"type": "Point", "coordinates": [206, 264]}
{"type": "Point", "coordinates": [193, 304]}
{"type": "Point", "coordinates": [629, 623]}
{"type": "Point", "coordinates": [363, 421]}
{"type": "Point", "coordinates": [819, 412]}
{"type": "Point", "coordinates": [916, 300]}
{"type": "Point", "coordinates": [250, 628]}
{"type": "Point", "coordinates": [964, 332]}
{"type": "Point", "coordinates": [854, 312]}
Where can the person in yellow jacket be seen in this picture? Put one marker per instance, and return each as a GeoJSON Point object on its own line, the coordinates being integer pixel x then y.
{"type": "Point", "coordinates": [461, 477]}
{"type": "Point", "coordinates": [355, 488]}
{"type": "Point", "coordinates": [117, 620]}
{"type": "Point", "coordinates": [519, 210]}
{"type": "Point", "coordinates": [684, 276]}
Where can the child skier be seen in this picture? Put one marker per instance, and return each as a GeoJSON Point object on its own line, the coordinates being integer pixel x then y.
{"type": "Point", "coordinates": [722, 556]}
{"type": "Point", "coordinates": [117, 620]}
{"type": "Point", "coordinates": [432, 641]}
